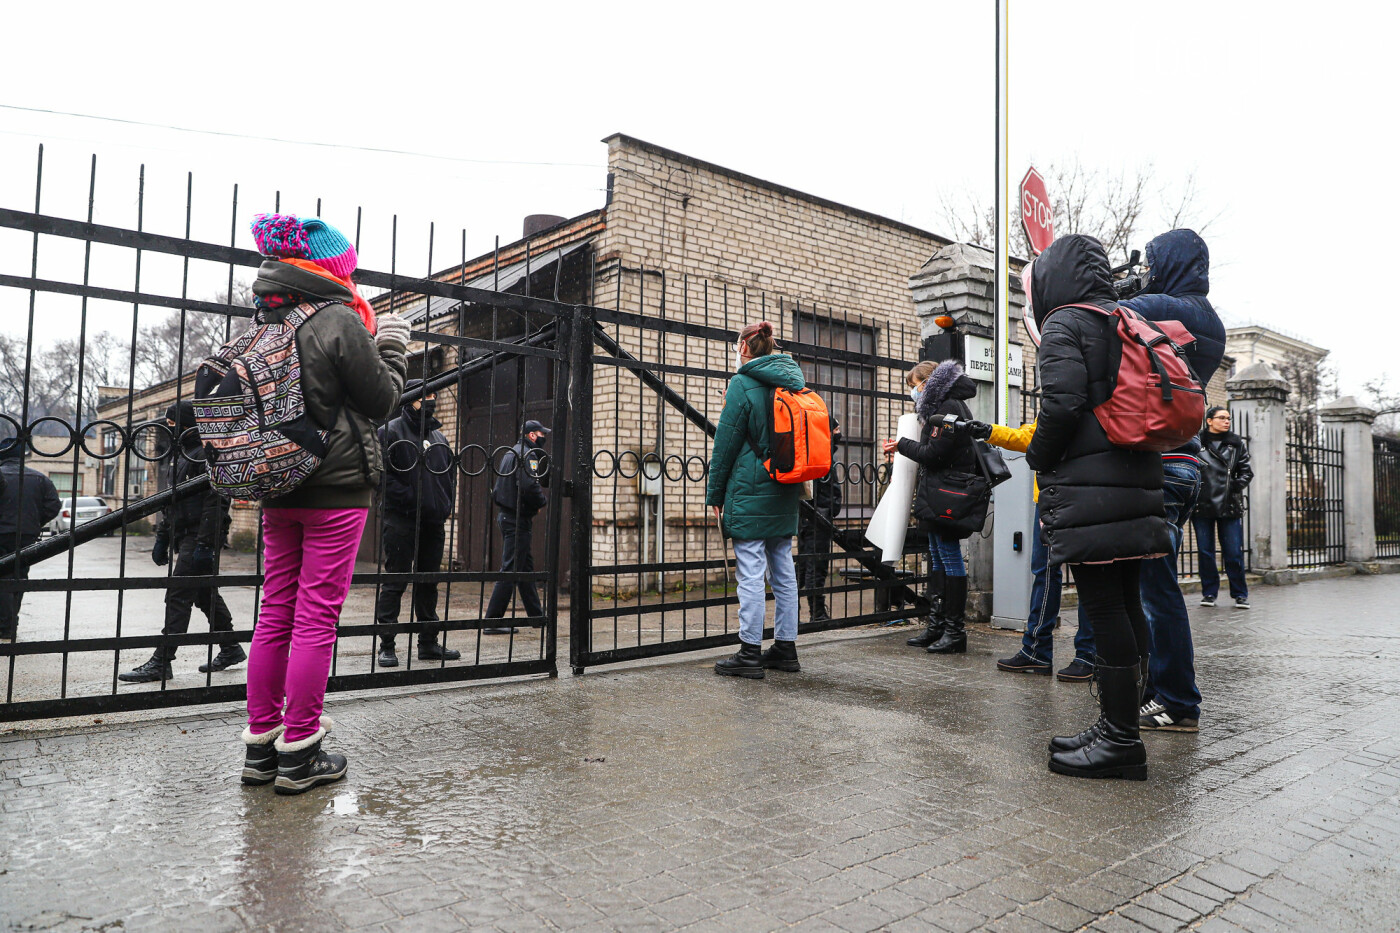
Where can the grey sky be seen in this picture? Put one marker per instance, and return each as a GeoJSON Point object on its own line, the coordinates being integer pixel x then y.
{"type": "Point", "coordinates": [883, 106]}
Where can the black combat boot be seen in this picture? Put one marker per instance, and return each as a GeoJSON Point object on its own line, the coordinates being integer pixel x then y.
{"type": "Point", "coordinates": [157, 668]}
{"type": "Point", "coordinates": [782, 656]}
{"type": "Point", "coordinates": [933, 622]}
{"type": "Point", "coordinates": [1066, 743]}
{"type": "Point", "coordinates": [816, 609]}
{"type": "Point", "coordinates": [228, 656]}
{"type": "Point", "coordinates": [954, 637]}
{"type": "Point", "coordinates": [260, 756]}
{"type": "Point", "coordinates": [1117, 751]}
{"type": "Point", "coordinates": [302, 765]}
{"type": "Point", "coordinates": [746, 662]}
{"type": "Point", "coordinates": [430, 650]}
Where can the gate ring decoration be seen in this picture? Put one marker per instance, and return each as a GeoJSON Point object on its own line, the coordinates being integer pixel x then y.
{"type": "Point", "coordinates": [621, 471]}
{"type": "Point", "coordinates": [116, 452]}
{"type": "Point", "coordinates": [31, 434]}
{"type": "Point", "coordinates": [539, 466]}
{"type": "Point", "coordinates": [462, 460]}
{"type": "Point", "coordinates": [883, 472]}
{"type": "Point", "coordinates": [499, 454]}
{"type": "Point", "coordinates": [849, 480]}
{"type": "Point", "coordinates": [704, 468]}
{"type": "Point", "coordinates": [652, 466]}
{"type": "Point", "coordinates": [611, 470]}
{"type": "Point", "coordinates": [159, 428]}
{"type": "Point", "coordinates": [19, 434]}
{"type": "Point", "coordinates": [420, 456]}
{"type": "Point", "coordinates": [838, 473]}
{"type": "Point", "coordinates": [680, 462]}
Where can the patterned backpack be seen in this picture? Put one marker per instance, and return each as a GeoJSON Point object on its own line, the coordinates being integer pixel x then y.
{"type": "Point", "coordinates": [258, 439]}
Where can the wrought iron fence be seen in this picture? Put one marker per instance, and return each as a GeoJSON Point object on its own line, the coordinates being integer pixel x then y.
{"type": "Point", "coordinates": [1316, 531]}
{"type": "Point", "coordinates": [90, 416]}
{"type": "Point", "coordinates": [1387, 500]}
{"type": "Point", "coordinates": [660, 579]}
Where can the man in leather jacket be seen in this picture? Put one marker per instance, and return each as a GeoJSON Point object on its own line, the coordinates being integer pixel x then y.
{"type": "Point", "coordinates": [1225, 472]}
{"type": "Point", "coordinates": [191, 531]}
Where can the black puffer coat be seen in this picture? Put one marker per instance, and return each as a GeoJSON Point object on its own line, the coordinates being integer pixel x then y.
{"type": "Point", "coordinates": [1225, 472]}
{"type": "Point", "coordinates": [937, 451]}
{"type": "Point", "coordinates": [1098, 502]}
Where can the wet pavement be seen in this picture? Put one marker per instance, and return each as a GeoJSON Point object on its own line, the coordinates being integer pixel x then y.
{"type": "Point", "coordinates": [881, 788]}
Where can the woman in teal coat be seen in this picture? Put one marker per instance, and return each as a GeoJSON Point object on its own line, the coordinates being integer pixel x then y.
{"type": "Point", "coordinates": [755, 510]}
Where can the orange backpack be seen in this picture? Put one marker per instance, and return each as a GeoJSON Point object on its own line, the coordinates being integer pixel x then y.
{"type": "Point", "coordinates": [799, 437]}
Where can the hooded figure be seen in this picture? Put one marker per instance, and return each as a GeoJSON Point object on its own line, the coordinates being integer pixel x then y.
{"type": "Point", "coordinates": [945, 393]}
{"type": "Point", "coordinates": [1178, 281]}
{"type": "Point", "coordinates": [1098, 502]}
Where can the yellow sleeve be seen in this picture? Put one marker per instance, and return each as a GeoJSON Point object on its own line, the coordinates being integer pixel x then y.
{"type": "Point", "coordinates": [1012, 438]}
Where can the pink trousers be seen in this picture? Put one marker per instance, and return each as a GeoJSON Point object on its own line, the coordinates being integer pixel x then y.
{"type": "Point", "coordinates": [308, 558]}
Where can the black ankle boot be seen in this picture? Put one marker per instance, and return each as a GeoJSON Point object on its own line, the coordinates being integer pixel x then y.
{"type": "Point", "coordinates": [746, 662]}
{"type": "Point", "coordinates": [260, 756]}
{"type": "Point", "coordinates": [933, 622]}
{"type": "Point", "coordinates": [1067, 743]}
{"type": "Point", "coordinates": [816, 609]}
{"type": "Point", "coordinates": [782, 656]}
{"type": "Point", "coordinates": [432, 651]}
{"type": "Point", "coordinates": [302, 765]}
{"type": "Point", "coordinates": [954, 637]}
{"type": "Point", "coordinates": [157, 668]}
{"type": "Point", "coordinates": [1117, 751]}
{"type": "Point", "coordinates": [228, 656]}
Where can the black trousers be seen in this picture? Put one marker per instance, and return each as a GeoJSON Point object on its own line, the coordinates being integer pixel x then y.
{"type": "Point", "coordinates": [516, 557]}
{"type": "Point", "coordinates": [9, 602]}
{"type": "Point", "coordinates": [1111, 597]}
{"type": "Point", "coordinates": [813, 557]}
{"type": "Point", "coordinates": [402, 542]}
{"type": "Point", "coordinates": [179, 600]}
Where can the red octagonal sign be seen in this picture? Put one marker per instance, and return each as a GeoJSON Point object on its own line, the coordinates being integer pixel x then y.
{"type": "Point", "coordinates": [1035, 212]}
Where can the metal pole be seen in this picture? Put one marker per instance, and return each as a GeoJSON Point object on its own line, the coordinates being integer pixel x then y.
{"type": "Point", "coordinates": [1003, 238]}
{"type": "Point", "coordinates": [580, 389]}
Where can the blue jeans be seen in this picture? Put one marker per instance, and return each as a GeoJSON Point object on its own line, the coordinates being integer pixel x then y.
{"type": "Point", "coordinates": [945, 554]}
{"type": "Point", "coordinates": [1231, 548]}
{"type": "Point", "coordinates": [1038, 640]}
{"type": "Point", "coordinates": [1171, 673]}
{"type": "Point", "coordinates": [751, 559]}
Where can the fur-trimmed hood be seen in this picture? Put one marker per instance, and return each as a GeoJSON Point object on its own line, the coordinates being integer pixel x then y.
{"type": "Point", "coordinates": [947, 381]}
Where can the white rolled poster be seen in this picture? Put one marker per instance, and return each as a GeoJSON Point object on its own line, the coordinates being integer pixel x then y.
{"type": "Point", "coordinates": [891, 519]}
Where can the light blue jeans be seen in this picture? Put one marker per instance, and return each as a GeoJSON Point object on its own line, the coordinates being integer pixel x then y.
{"type": "Point", "coordinates": [751, 559]}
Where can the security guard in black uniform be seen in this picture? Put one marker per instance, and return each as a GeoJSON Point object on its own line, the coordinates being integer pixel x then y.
{"type": "Point", "coordinates": [519, 496]}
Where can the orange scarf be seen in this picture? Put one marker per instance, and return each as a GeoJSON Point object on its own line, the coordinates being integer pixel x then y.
{"type": "Point", "coordinates": [359, 305]}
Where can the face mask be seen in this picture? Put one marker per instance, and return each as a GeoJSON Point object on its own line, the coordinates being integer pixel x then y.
{"type": "Point", "coordinates": [916, 394]}
{"type": "Point", "coordinates": [429, 406]}
{"type": "Point", "coordinates": [738, 359]}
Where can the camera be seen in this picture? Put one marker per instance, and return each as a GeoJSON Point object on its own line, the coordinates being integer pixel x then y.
{"type": "Point", "coordinates": [1133, 280]}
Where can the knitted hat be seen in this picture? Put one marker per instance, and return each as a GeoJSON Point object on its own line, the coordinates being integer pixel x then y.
{"type": "Point", "coordinates": [286, 236]}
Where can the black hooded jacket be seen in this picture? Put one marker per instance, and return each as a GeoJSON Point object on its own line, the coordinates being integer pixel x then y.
{"type": "Point", "coordinates": [420, 478]}
{"type": "Point", "coordinates": [28, 499]}
{"type": "Point", "coordinates": [1098, 502]}
{"type": "Point", "coordinates": [202, 515]}
{"type": "Point", "coordinates": [938, 451]}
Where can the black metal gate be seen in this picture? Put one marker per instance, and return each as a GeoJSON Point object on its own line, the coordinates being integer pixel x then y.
{"type": "Point", "coordinates": [651, 572]}
{"type": "Point", "coordinates": [1387, 502]}
{"type": "Point", "coordinates": [87, 405]}
{"type": "Point", "coordinates": [1316, 522]}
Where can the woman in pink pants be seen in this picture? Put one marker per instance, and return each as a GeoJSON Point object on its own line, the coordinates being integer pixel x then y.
{"type": "Point", "coordinates": [352, 374]}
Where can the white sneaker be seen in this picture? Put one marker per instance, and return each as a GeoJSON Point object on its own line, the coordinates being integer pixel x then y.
{"type": "Point", "coordinates": [1208, 601]}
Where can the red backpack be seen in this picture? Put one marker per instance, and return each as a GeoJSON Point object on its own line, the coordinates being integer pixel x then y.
{"type": "Point", "coordinates": [1158, 401]}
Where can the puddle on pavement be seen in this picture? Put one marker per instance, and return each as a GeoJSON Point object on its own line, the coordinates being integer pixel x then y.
{"type": "Point", "coordinates": [345, 803]}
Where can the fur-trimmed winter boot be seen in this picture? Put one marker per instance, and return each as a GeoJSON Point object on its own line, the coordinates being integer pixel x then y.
{"type": "Point", "coordinates": [260, 756]}
{"type": "Point", "coordinates": [301, 765]}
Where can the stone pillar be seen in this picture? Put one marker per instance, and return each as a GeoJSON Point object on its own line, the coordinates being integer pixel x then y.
{"type": "Point", "coordinates": [959, 281]}
{"type": "Point", "coordinates": [1358, 475]}
{"type": "Point", "coordinates": [1257, 394]}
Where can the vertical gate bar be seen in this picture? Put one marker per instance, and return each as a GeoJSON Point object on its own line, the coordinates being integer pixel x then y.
{"type": "Point", "coordinates": [563, 345]}
{"type": "Point", "coordinates": [21, 433]}
{"type": "Point", "coordinates": [391, 308]}
{"type": "Point", "coordinates": [458, 500]}
{"type": "Point", "coordinates": [130, 444]}
{"type": "Point", "coordinates": [78, 402]}
{"type": "Point", "coordinates": [415, 563]}
{"type": "Point", "coordinates": [581, 532]}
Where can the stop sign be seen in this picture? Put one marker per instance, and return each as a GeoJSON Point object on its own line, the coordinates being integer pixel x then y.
{"type": "Point", "coordinates": [1035, 212]}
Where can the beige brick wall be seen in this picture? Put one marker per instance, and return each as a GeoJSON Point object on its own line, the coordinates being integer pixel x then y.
{"type": "Point", "coordinates": [724, 250]}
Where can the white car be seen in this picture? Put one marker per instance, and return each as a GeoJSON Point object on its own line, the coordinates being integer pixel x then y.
{"type": "Point", "coordinates": [88, 508]}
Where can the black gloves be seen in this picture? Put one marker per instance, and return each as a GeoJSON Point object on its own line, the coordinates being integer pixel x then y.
{"type": "Point", "coordinates": [202, 561]}
{"type": "Point", "coordinates": [979, 430]}
{"type": "Point", "coordinates": [160, 552]}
